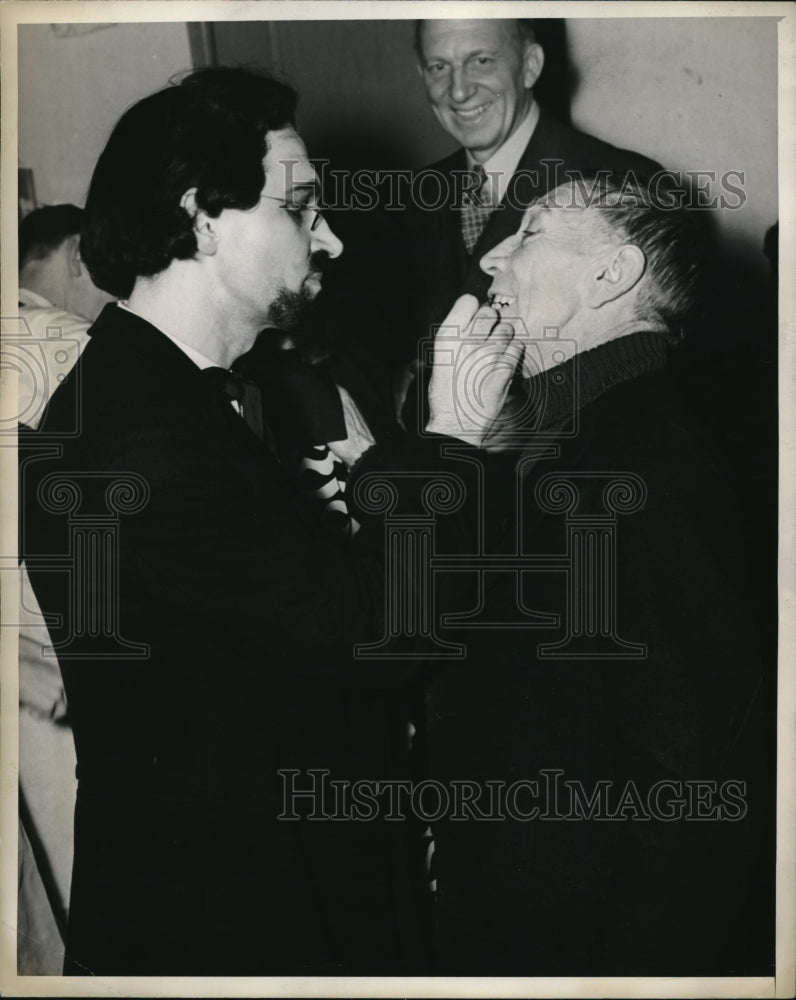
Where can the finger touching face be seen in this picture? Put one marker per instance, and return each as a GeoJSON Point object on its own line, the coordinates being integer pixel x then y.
{"type": "Point", "coordinates": [461, 315]}
{"type": "Point", "coordinates": [485, 323]}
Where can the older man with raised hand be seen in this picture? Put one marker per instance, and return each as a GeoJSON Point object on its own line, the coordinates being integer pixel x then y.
{"type": "Point", "coordinates": [635, 732]}
{"type": "Point", "coordinates": [479, 76]}
{"type": "Point", "coordinates": [203, 620]}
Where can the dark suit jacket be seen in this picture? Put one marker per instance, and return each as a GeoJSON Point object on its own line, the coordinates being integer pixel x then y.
{"type": "Point", "coordinates": [249, 616]}
{"type": "Point", "coordinates": [632, 895]}
{"type": "Point", "coordinates": [440, 267]}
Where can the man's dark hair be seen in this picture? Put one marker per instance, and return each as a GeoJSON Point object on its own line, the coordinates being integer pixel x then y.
{"type": "Point", "coordinates": [525, 27]}
{"type": "Point", "coordinates": [43, 230]}
{"type": "Point", "coordinates": [673, 238]}
{"type": "Point", "coordinates": [208, 133]}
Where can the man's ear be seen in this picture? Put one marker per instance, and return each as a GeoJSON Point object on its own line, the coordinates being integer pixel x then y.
{"type": "Point", "coordinates": [203, 225]}
{"type": "Point", "coordinates": [618, 270]}
{"type": "Point", "coordinates": [73, 260]}
{"type": "Point", "coordinates": [533, 61]}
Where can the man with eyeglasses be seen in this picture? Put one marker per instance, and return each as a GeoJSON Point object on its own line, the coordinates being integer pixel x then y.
{"type": "Point", "coordinates": [203, 619]}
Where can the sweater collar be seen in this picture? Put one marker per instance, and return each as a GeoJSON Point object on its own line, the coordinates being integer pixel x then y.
{"type": "Point", "coordinates": [574, 384]}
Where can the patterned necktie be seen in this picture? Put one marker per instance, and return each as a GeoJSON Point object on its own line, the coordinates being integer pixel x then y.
{"type": "Point", "coordinates": [476, 209]}
{"type": "Point", "coordinates": [323, 477]}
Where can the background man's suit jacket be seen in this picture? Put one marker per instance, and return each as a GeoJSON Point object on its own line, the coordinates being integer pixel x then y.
{"type": "Point", "coordinates": [250, 615]}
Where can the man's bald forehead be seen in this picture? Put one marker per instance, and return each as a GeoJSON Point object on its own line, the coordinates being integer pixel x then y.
{"type": "Point", "coordinates": [571, 215]}
{"type": "Point", "coordinates": [570, 194]}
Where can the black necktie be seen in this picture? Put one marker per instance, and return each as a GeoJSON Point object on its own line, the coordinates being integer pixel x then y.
{"type": "Point", "coordinates": [233, 388]}
{"type": "Point", "coordinates": [320, 474]}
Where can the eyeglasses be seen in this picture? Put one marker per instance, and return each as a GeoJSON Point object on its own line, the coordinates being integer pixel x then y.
{"type": "Point", "coordinates": [293, 208]}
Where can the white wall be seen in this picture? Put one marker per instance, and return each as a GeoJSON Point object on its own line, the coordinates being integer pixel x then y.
{"type": "Point", "coordinates": [693, 93]}
{"type": "Point", "coordinates": [72, 90]}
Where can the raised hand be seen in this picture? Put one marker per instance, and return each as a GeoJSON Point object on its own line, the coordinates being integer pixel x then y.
{"type": "Point", "coordinates": [475, 355]}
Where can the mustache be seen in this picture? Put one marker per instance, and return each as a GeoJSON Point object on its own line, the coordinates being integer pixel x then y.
{"type": "Point", "coordinates": [318, 261]}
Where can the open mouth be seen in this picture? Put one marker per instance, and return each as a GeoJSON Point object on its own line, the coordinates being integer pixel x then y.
{"type": "Point", "coordinates": [470, 115]}
{"type": "Point", "coordinates": [503, 302]}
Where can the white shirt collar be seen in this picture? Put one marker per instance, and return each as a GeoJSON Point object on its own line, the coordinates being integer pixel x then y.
{"type": "Point", "coordinates": [502, 164]}
{"type": "Point", "coordinates": [28, 298]}
{"type": "Point", "coordinates": [199, 359]}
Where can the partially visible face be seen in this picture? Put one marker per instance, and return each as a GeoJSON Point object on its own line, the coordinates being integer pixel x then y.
{"type": "Point", "coordinates": [539, 273]}
{"type": "Point", "coordinates": [270, 257]}
{"type": "Point", "coordinates": [478, 76]}
{"type": "Point", "coordinates": [82, 297]}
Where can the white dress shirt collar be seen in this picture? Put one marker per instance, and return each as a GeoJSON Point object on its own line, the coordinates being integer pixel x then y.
{"type": "Point", "coordinates": [502, 164]}
{"type": "Point", "coordinates": [28, 298]}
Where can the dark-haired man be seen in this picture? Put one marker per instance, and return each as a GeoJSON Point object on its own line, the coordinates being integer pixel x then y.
{"type": "Point", "coordinates": [51, 272]}
{"type": "Point", "coordinates": [203, 620]}
{"type": "Point", "coordinates": [479, 76]}
{"type": "Point", "coordinates": [617, 746]}
{"type": "Point", "coordinates": [56, 293]}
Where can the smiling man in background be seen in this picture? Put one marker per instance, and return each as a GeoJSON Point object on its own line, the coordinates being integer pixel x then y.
{"type": "Point", "coordinates": [479, 76]}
